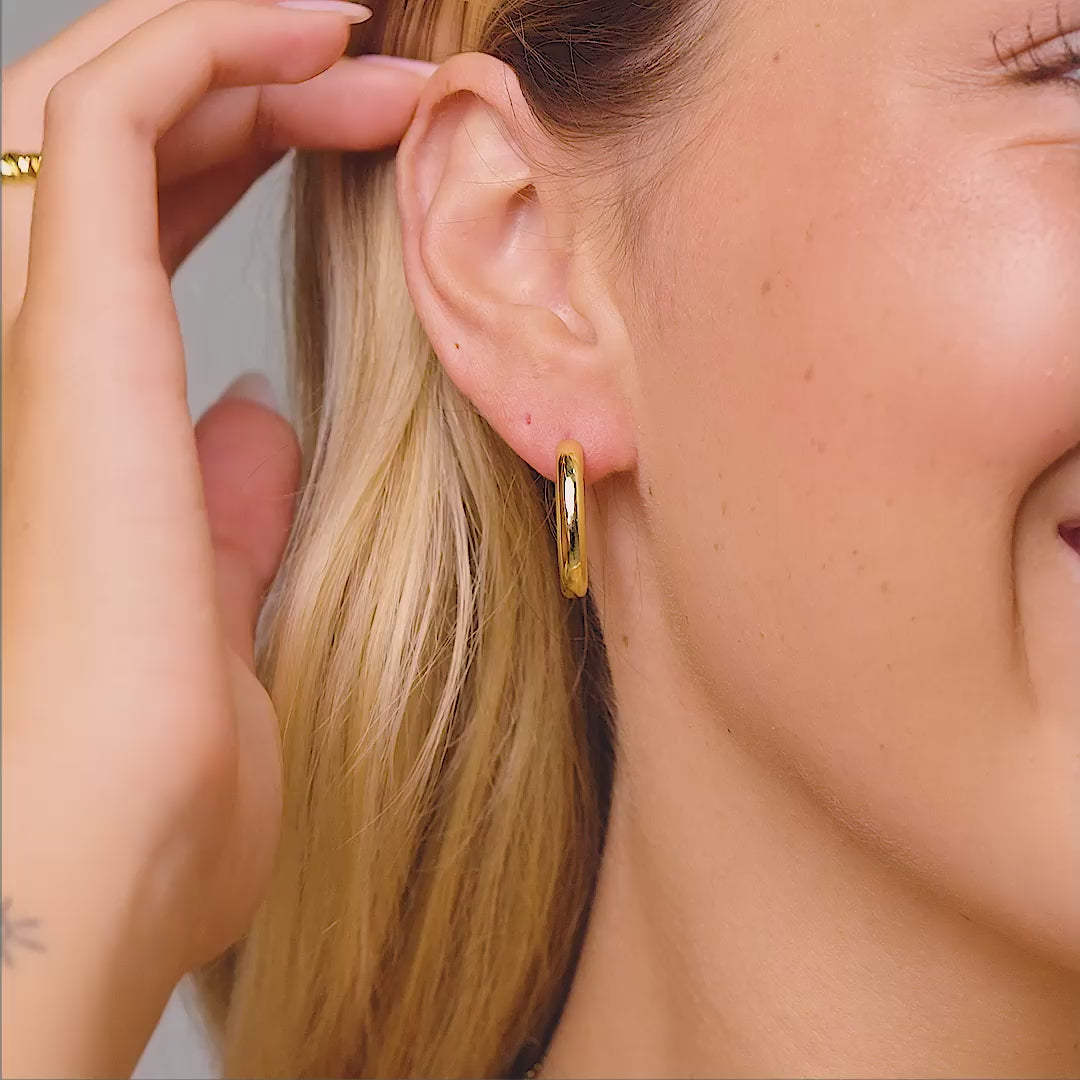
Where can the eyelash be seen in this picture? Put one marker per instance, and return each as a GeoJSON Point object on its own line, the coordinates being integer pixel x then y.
{"type": "Point", "coordinates": [1047, 61]}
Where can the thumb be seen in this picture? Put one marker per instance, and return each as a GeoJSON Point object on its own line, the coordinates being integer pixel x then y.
{"type": "Point", "coordinates": [250, 461]}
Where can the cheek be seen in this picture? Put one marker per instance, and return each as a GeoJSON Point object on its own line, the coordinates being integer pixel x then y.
{"type": "Point", "coordinates": [874, 351]}
{"type": "Point", "coordinates": [937, 314]}
{"type": "Point", "coordinates": [870, 351]}
{"type": "Point", "coordinates": [973, 290]}
{"type": "Point", "coordinates": [863, 373]}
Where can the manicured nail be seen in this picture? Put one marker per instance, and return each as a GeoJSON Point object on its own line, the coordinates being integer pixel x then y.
{"type": "Point", "coordinates": [253, 386]}
{"type": "Point", "coordinates": [356, 13]}
{"type": "Point", "coordinates": [421, 67]}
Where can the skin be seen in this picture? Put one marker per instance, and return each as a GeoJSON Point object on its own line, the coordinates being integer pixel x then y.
{"type": "Point", "coordinates": [136, 548]}
{"type": "Point", "coordinates": [830, 417]}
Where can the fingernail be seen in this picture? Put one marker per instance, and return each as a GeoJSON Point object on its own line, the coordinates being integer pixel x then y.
{"type": "Point", "coordinates": [421, 67]}
{"type": "Point", "coordinates": [356, 13]}
{"type": "Point", "coordinates": [253, 386]}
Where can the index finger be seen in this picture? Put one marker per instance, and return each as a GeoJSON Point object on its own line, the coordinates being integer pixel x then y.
{"type": "Point", "coordinates": [97, 200]}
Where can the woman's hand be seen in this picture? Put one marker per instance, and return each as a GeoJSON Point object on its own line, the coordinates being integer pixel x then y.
{"type": "Point", "coordinates": [211, 158]}
{"type": "Point", "coordinates": [141, 773]}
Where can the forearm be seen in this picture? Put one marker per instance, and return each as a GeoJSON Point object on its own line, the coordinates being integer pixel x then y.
{"type": "Point", "coordinates": [81, 993]}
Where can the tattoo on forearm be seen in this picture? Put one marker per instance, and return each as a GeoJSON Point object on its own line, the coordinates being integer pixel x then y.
{"type": "Point", "coordinates": [18, 933]}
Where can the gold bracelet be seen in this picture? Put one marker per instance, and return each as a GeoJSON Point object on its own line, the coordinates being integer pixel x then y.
{"type": "Point", "coordinates": [19, 167]}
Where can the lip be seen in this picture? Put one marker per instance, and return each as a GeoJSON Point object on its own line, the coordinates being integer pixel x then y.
{"type": "Point", "coordinates": [1069, 531]}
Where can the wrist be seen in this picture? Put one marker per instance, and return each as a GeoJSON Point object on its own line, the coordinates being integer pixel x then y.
{"type": "Point", "coordinates": [84, 982]}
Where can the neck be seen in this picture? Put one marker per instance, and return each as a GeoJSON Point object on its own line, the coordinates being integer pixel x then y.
{"type": "Point", "coordinates": [739, 929]}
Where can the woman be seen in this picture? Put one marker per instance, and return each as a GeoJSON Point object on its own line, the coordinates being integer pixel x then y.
{"type": "Point", "coordinates": [801, 279]}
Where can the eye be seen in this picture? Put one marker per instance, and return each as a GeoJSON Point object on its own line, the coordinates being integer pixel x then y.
{"type": "Point", "coordinates": [1053, 59]}
{"type": "Point", "coordinates": [1059, 59]}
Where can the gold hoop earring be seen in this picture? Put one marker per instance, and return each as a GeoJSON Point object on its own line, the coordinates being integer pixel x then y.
{"type": "Point", "coordinates": [570, 511]}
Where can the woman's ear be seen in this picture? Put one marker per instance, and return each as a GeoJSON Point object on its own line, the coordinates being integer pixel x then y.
{"type": "Point", "coordinates": [505, 273]}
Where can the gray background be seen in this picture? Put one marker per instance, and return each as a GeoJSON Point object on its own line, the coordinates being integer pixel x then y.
{"type": "Point", "coordinates": [228, 298]}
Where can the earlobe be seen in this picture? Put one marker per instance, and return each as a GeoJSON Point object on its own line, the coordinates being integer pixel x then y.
{"type": "Point", "coordinates": [511, 301]}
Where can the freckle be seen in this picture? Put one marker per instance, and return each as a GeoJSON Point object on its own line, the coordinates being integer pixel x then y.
{"type": "Point", "coordinates": [884, 587]}
{"type": "Point", "coordinates": [854, 553]}
{"type": "Point", "coordinates": [808, 374]}
{"type": "Point", "coordinates": [888, 667]}
{"type": "Point", "coordinates": [889, 501]}
{"type": "Point", "coordinates": [723, 508]}
{"type": "Point", "coordinates": [716, 547]}
{"type": "Point", "coordinates": [868, 396]}
{"type": "Point", "coordinates": [766, 287]}
{"type": "Point", "coordinates": [881, 746]}
{"type": "Point", "coordinates": [625, 640]}
{"type": "Point", "coordinates": [762, 632]}
{"type": "Point", "coordinates": [456, 345]}
{"type": "Point", "coordinates": [528, 418]}
{"type": "Point", "coordinates": [650, 491]}
{"type": "Point", "coordinates": [729, 731]}
{"type": "Point", "coordinates": [822, 446]}
{"type": "Point", "coordinates": [776, 58]}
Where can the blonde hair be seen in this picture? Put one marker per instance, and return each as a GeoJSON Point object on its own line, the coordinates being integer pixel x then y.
{"type": "Point", "coordinates": [444, 709]}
